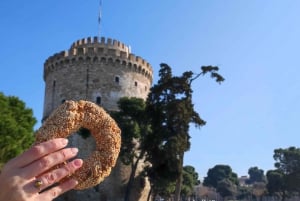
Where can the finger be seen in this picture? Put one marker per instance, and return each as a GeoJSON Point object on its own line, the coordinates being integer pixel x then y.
{"type": "Point", "coordinates": [58, 190]}
{"type": "Point", "coordinates": [56, 175]}
{"type": "Point", "coordinates": [38, 151]}
{"type": "Point", "coordinates": [44, 164]}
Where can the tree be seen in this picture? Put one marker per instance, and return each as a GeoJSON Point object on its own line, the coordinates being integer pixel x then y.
{"type": "Point", "coordinates": [285, 179]}
{"type": "Point", "coordinates": [190, 180]}
{"type": "Point", "coordinates": [222, 179]}
{"type": "Point", "coordinates": [276, 184]}
{"type": "Point", "coordinates": [16, 127]}
{"type": "Point", "coordinates": [244, 193]}
{"type": "Point", "coordinates": [226, 188]}
{"type": "Point", "coordinates": [170, 109]}
{"type": "Point", "coordinates": [288, 162]}
{"type": "Point", "coordinates": [133, 123]}
{"type": "Point", "coordinates": [218, 173]}
{"type": "Point", "coordinates": [255, 175]}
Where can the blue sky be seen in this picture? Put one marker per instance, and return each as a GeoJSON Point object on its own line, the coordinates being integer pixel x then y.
{"type": "Point", "coordinates": [255, 43]}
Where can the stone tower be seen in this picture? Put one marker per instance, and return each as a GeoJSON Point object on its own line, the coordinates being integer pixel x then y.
{"type": "Point", "coordinates": [101, 71]}
{"type": "Point", "coordinates": [98, 71]}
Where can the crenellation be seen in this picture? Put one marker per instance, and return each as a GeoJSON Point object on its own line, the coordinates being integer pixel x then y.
{"type": "Point", "coordinates": [116, 43]}
{"type": "Point", "coordinates": [89, 40]}
{"type": "Point", "coordinates": [66, 53]}
{"type": "Point", "coordinates": [131, 57]}
{"type": "Point", "coordinates": [140, 60]}
{"type": "Point", "coordinates": [82, 41]}
{"type": "Point", "coordinates": [95, 39]}
{"type": "Point", "coordinates": [74, 51]}
{"type": "Point", "coordinates": [78, 43]}
{"type": "Point", "coordinates": [109, 42]}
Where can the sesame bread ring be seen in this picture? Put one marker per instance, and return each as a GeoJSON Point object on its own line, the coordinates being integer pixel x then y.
{"type": "Point", "coordinates": [69, 118]}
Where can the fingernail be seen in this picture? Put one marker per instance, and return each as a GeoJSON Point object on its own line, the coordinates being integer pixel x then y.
{"type": "Point", "coordinates": [65, 141]}
{"type": "Point", "coordinates": [78, 162]}
{"type": "Point", "coordinates": [73, 182]}
{"type": "Point", "coordinates": [74, 150]}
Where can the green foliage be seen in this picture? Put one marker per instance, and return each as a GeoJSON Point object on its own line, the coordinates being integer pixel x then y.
{"type": "Point", "coordinates": [171, 111]}
{"type": "Point", "coordinates": [226, 188]}
{"type": "Point", "coordinates": [16, 127]}
{"type": "Point", "coordinates": [287, 160]}
{"type": "Point", "coordinates": [220, 173]}
{"type": "Point", "coordinates": [275, 182]}
{"type": "Point", "coordinates": [213, 70]}
{"type": "Point", "coordinates": [190, 180]}
{"type": "Point", "coordinates": [285, 180]}
{"type": "Point", "coordinates": [133, 123]}
{"type": "Point", "coordinates": [223, 180]}
{"type": "Point", "coordinates": [244, 193]}
{"type": "Point", "coordinates": [159, 128]}
{"type": "Point", "coordinates": [165, 188]}
{"type": "Point", "coordinates": [255, 175]}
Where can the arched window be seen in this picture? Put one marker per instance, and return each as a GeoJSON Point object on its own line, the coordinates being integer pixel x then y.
{"type": "Point", "coordinates": [80, 50]}
{"type": "Point", "coordinates": [98, 100]}
{"type": "Point", "coordinates": [117, 79]}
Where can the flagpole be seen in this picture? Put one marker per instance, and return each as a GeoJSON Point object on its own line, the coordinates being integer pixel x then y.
{"type": "Point", "coordinates": [99, 19]}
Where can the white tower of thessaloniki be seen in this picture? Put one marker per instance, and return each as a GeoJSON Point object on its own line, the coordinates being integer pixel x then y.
{"type": "Point", "coordinates": [102, 71]}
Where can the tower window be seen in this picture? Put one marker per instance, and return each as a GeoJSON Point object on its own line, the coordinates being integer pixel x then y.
{"type": "Point", "coordinates": [80, 50]}
{"type": "Point", "coordinates": [98, 100]}
{"type": "Point", "coordinates": [135, 83]}
{"type": "Point", "coordinates": [117, 79]}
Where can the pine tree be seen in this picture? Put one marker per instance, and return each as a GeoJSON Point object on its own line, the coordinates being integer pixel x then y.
{"type": "Point", "coordinates": [170, 110]}
{"type": "Point", "coordinates": [16, 127]}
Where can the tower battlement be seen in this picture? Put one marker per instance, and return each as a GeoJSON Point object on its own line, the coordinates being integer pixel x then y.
{"type": "Point", "coordinates": [104, 42]}
{"type": "Point", "coordinates": [93, 50]}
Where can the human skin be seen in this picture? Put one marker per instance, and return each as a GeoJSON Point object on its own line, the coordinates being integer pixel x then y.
{"type": "Point", "coordinates": [19, 176]}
